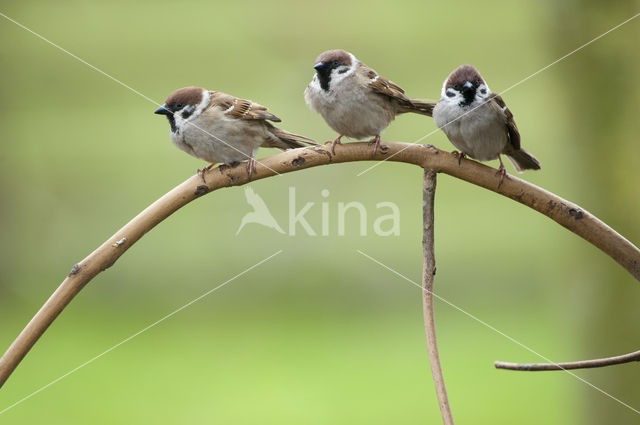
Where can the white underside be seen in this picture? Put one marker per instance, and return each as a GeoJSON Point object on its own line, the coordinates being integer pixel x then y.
{"type": "Point", "coordinates": [221, 140]}
{"type": "Point", "coordinates": [349, 108]}
{"type": "Point", "coordinates": [480, 134]}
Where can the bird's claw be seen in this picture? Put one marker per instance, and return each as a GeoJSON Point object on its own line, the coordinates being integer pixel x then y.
{"type": "Point", "coordinates": [502, 172]}
{"type": "Point", "coordinates": [251, 167]}
{"type": "Point", "coordinates": [460, 155]}
{"type": "Point", "coordinates": [376, 142]}
{"type": "Point", "coordinates": [334, 143]}
{"type": "Point", "coordinates": [204, 170]}
{"type": "Point", "coordinates": [200, 172]}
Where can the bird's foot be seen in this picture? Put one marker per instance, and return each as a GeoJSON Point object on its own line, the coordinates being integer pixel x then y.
{"type": "Point", "coordinates": [461, 155]}
{"type": "Point", "coordinates": [204, 170]}
{"type": "Point", "coordinates": [334, 143]}
{"type": "Point", "coordinates": [502, 172]}
{"type": "Point", "coordinates": [376, 142]}
{"type": "Point", "coordinates": [251, 166]}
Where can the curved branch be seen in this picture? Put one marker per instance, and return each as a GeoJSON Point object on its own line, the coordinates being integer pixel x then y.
{"type": "Point", "coordinates": [583, 364]}
{"type": "Point", "coordinates": [563, 212]}
{"type": "Point", "coordinates": [428, 274]}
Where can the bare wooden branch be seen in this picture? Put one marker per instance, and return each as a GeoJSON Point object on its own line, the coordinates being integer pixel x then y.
{"type": "Point", "coordinates": [428, 274]}
{"type": "Point", "coordinates": [561, 211]}
{"type": "Point", "coordinates": [583, 364]}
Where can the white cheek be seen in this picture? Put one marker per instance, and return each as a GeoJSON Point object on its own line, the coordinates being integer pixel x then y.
{"type": "Point", "coordinates": [451, 99]}
{"type": "Point", "coordinates": [180, 122]}
{"type": "Point", "coordinates": [337, 77]}
{"type": "Point", "coordinates": [482, 97]}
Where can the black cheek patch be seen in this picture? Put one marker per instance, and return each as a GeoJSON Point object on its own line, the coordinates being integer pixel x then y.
{"type": "Point", "coordinates": [187, 113]}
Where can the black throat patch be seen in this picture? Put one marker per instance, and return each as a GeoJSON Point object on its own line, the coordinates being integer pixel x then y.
{"type": "Point", "coordinates": [172, 123]}
{"type": "Point", "coordinates": [468, 95]}
{"type": "Point", "coordinates": [324, 74]}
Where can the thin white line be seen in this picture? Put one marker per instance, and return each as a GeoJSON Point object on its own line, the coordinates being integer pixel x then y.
{"type": "Point", "coordinates": [496, 330]}
{"type": "Point", "coordinates": [78, 59]}
{"type": "Point", "coordinates": [504, 91]}
{"type": "Point", "coordinates": [570, 53]}
{"type": "Point", "coordinates": [139, 332]}
{"type": "Point", "coordinates": [125, 85]}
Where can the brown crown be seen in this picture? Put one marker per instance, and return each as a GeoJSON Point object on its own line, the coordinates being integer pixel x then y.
{"type": "Point", "coordinates": [341, 56]}
{"type": "Point", "coordinates": [462, 74]}
{"type": "Point", "coordinates": [187, 95]}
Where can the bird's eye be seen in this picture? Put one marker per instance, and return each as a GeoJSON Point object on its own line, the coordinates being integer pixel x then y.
{"type": "Point", "coordinates": [334, 63]}
{"type": "Point", "coordinates": [179, 106]}
{"type": "Point", "coordinates": [456, 87]}
{"type": "Point", "coordinates": [483, 91]}
{"type": "Point", "coordinates": [450, 93]}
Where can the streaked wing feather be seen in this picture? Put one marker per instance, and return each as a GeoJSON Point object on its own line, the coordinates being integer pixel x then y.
{"type": "Point", "coordinates": [385, 87]}
{"type": "Point", "coordinates": [514, 134]}
{"type": "Point", "coordinates": [241, 108]}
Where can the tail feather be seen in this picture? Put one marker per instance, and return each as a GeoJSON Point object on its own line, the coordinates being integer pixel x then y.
{"type": "Point", "coordinates": [523, 160]}
{"type": "Point", "coordinates": [285, 140]}
{"type": "Point", "coordinates": [420, 106]}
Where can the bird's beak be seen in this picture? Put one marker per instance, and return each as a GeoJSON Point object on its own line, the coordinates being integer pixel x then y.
{"type": "Point", "coordinates": [318, 66]}
{"type": "Point", "coordinates": [163, 111]}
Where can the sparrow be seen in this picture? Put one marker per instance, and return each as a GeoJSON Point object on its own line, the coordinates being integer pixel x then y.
{"type": "Point", "coordinates": [354, 100]}
{"type": "Point", "coordinates": [220, 128]}
{"type": "Point", "coordinates": [478, 121]}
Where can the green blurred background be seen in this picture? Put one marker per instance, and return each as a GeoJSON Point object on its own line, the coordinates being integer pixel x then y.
{"type": "Point", "coordinates": [319, 334]}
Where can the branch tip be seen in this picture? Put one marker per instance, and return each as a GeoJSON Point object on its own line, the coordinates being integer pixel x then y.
{"type": "Point", "coordinates": [582, 364]}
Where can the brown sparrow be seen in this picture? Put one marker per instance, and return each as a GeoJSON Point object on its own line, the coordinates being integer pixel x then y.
{"type": "Point", "coordinates": [478, 121]}
{"type": "Point", "coordinates": [220, 128]}
{"type": "Point", "coordinates": [354, 100]}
